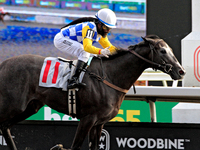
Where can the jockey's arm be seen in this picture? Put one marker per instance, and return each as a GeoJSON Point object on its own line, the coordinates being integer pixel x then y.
{"type": "Point", "coordinates": [106, 43]}
{"type": "Point", "coordinates": [87, 43]}
{"type": "Point", "coordinates": [88, 47]}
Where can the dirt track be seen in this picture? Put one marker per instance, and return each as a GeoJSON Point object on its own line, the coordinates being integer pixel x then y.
{"type": "Point", "coordinates": [33, 24]}
{"type": "Point", "coordinates": [12, 46]}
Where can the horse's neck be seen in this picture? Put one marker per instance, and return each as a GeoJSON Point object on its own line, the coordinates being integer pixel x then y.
{"type": "Point", "coordinates": [124, 71]}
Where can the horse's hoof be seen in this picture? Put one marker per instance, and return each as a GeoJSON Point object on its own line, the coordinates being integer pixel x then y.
{"type": "Point", "coordinates": [57, 147]}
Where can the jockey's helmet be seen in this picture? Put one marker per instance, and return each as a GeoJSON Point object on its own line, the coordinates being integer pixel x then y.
{"type": "Point", "coordinates": [107, 17]}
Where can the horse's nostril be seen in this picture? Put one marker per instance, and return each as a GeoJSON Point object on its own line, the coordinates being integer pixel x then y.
{"type": "Point", "coordinates": [182, 72]}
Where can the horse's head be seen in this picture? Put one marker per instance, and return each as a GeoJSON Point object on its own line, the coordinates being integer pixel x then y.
{"type": "Point", "coordinates": [162, 57]}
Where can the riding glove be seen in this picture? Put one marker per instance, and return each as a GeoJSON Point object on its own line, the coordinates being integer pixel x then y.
{"type": "Point", "coordinates": [105, 52]}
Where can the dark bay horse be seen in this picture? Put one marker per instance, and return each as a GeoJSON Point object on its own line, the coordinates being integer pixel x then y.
{"type": "Point", "coordinates": [97, 103]}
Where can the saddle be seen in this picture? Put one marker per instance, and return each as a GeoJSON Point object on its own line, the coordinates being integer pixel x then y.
{"type": "Point", "coordinates": [55, 72]}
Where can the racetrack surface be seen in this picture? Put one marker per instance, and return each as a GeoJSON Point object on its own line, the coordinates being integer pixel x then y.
{"type": "Point", "coordinates": [19, 37]}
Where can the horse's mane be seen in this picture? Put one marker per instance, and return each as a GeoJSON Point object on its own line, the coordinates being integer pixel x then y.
{"type": "Point", "coordinates": [121, 51]}
{"type": "Point", "coordinates": [142, 43]}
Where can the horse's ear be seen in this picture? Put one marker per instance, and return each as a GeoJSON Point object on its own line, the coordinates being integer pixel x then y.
{"type": "Point", "coordinates": [148, 40]}
{"type": "Point", "coordinates": [144, 39]}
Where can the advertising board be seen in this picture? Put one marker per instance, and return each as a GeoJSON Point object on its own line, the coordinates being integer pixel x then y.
{"type": "Point", "coordinates": [73, 5]}
{"type": "Point", "coordinates": [48, 3]}
{"type": "Point", "coordinates": [23, 2]}
{"type": "Point", "coordinates": [190, 60]}
{"type": "Point", "coordinates": [129, 8]}
{"type": "Point", "coordinates": [115, 136]}
{"type": "Point", "coordinates": [97, 6]}
{"type": "Point", "coordinates": [130, 111]}
{"type": "Point", "coordinates": [6, 2]}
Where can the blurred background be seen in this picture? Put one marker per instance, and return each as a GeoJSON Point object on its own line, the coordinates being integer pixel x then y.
{"type": "Point", "coordinates": [32, 24]}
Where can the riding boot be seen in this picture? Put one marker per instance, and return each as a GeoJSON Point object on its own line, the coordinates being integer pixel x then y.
{"type": "Point", "coordinates": [74, 81]}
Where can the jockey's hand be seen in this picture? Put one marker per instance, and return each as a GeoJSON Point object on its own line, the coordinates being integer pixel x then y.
{"type": "Point", "coordinates": [105, 52]}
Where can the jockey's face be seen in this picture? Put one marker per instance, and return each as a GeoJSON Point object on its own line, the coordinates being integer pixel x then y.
{"type": "Point", "coordinates": [103, 29]}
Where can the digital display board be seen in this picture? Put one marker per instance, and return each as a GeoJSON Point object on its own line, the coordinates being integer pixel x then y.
{"type": "Point", "coordinates": [129, 8]}
{"type": "Point", "coordinates": [48, 3]}
{"type": "Point", "coordinates": [73, 5]}
{"type": "Point", "coordinates": [7, 2]}
{"type": "Point", "coordinates": [97, 6]}
{"type": "Point", "coordinates": [23, 2]}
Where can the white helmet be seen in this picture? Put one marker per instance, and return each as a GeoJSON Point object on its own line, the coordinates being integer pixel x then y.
{"type": "Point", "coordinates": [107, 17]}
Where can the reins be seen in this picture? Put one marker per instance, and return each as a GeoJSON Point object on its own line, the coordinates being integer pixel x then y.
{"type": "Point", "coordinates": [108, 83]}
{"type": "Point", "coordinates": [166, 67]}
{"type": "Point", "coordinates": [102, 79]}
{"type": "Point", "coordinates": [149, 61]}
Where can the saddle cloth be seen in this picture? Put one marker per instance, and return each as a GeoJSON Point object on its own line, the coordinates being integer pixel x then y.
{"type": "Point", "coordinates": [55, 73]}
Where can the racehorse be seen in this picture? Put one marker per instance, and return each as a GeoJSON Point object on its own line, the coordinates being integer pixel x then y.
{"type": "Point", "coordinates": [107, 80]}
{"type": "Point", "coordinates": [2, 15]}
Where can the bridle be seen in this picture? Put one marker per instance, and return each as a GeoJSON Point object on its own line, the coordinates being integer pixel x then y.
{"type": "Point", "coordinates": [166, 67]}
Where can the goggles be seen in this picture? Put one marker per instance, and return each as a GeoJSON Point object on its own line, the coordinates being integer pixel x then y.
{"type": "Point", "coordinates": [104, 27]}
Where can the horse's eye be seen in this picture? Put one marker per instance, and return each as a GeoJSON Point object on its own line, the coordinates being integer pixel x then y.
{"type": "Point", "coordinates": [163, 51]}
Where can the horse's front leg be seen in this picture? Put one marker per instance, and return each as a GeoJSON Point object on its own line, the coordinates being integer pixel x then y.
{"type": "Point", "coordinates": [82, 131]}
{"type": "Point", "coordinates": [9, 140]}
{"type": "Point", "coordinates": [94, 137]}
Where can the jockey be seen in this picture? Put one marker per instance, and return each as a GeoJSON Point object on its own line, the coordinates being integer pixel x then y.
{"type": "Point", "coordinates": [77, 38]}
{"type": "Point", "coordinates": [1, 10]}
{"type": "Point", "coordinates": [2, 14]}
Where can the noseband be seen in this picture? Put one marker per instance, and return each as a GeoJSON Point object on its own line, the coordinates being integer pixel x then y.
{"type": "Point", "coordinates": [166, 67]}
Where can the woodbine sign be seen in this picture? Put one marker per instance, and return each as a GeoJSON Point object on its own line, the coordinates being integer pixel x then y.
{"type": "Point", "coordinates": [157, 143]}
{"type": "Point", "coordinates": [115, 135]}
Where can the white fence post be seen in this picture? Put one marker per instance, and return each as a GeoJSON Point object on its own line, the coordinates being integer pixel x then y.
{"type": "Point", "coordinates": [187, 112]}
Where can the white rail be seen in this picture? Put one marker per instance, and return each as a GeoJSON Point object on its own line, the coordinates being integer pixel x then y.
{"type": "Point", "coordinates": [165, 94]}
{"type": "Point", "coordinates": [32, 12]}
{"type": "Point", "coordinates": [124, 21]}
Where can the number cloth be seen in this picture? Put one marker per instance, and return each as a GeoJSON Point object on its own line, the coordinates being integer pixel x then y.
{"type": "Point", "coordinates": [55, 73]}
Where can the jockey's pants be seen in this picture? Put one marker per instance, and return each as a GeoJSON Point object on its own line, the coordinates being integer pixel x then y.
{"type": "Point", "coordinates": [73, 49]}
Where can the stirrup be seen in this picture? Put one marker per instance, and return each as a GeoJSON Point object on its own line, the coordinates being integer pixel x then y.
{"type": "Point", "coordinates": [72, 83]}
{"type": "Point", "coordinates": [75, 84]}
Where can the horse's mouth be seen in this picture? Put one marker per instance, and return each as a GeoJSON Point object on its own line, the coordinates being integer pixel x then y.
{"type": "Point", "coordinates": [177, 75]}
